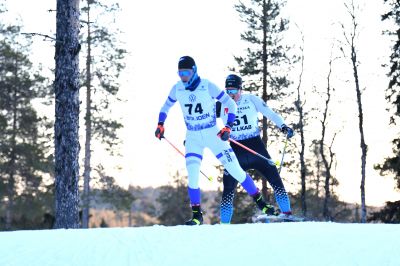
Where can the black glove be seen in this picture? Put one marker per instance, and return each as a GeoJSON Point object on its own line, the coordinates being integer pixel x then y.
{"type": "Point", "coordinates": [160, 130]}
{"type": "Point", "coordinates": [224, 133]}
{"type": "Point", "coordinates": [287, 130]}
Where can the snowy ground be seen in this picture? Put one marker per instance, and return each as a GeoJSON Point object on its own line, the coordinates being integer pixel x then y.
{"type": "Point", "coordinates": [308, 244]}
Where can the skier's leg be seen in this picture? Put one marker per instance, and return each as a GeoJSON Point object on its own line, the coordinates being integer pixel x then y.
{"type": "Point", "coordinates": [194, 156]}
{"type": "Point", "coordinates": [281, 196]}
{"type": "Point", "coordinates": [227, 157]}
{"type": "Point", "coordinates": [228, 195]}
{"type": "Point", "coordinates": [270, 173]}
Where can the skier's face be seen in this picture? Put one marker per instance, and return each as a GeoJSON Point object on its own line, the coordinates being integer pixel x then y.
{"type": "Point", "coordinates": [185, 74]}
{"type": "Point", "coordinates": [234, 93]}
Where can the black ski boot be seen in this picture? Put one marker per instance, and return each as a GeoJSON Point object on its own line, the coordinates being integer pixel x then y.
{"type": "Point", "coordinates": [197, 216]}
{"type": "Point", "coordinates": [263, 206]}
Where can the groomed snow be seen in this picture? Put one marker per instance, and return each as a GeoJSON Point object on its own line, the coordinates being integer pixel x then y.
{"type": "Point", "coordinates": [308, 243]}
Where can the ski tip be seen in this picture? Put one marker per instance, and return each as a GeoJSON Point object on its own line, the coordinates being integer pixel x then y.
{"type": "Point", "coordinates": [264, 218]}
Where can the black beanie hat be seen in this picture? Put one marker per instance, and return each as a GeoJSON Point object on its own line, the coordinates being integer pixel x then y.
{"type": "Point", "coordinates": [186, 62]}
{"type": "Point", "coordinates": [233, 81]}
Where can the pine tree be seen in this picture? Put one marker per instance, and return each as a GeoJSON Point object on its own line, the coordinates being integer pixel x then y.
{"type": "Point", "coordinates": [66, 87]}
{"type": "Point", "coordinates": [391, 165]}
{"type": "Point", "coordinates": [100, 77]}
{"type": "Point", "coordinates": [174, 201]}
{"type": "Point", "coordinates": [24, 155]}
{"type": "Point", "coordinates": [266, 62]}
{"type": "Point", "coordinates": [119, 198]}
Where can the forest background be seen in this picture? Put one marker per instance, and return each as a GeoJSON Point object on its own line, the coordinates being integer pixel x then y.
{"type": "Point", "coordinates": [134, 57]}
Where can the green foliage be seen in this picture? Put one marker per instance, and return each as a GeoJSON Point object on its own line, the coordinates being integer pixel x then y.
{"type": "Point", "coordinates": [174, 201]}
{"type": "Point", "coordinates": [267, 63]}
{"type": "Point", "coordinates": [106, 131]}
{"type": "Point", "coordinates": [24, 159]}
{"type": "Point", "coordinates": [32, 211]}
{"type": "Point", "coordinates": [392, 164]}
{"type": "Point", "coordinates": [389, 214]}
{"type": "Point", "coordinates": [393, 94]}
{"type": "Point", "coordinates": [339, 211]}
{"type": "Point", "coordinates": [106, 61]}
{"type": "Point", "coordinates": [266, 57]}
{"type": "Point", "coordinates": [119, 198]}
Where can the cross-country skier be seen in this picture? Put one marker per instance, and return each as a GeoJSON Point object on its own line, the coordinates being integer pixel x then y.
{"type": "Point", "coordinates": [246, 131]}
{"type": "Point", "coordinates": [197, 98]}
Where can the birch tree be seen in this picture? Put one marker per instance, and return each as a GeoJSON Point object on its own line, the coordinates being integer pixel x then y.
{"type": "Point", "coordinates": [350, 37]}
{"type": "Point", "coordinates": [325, 151]}
{"type": "Point", "coordinates": [299, 104]}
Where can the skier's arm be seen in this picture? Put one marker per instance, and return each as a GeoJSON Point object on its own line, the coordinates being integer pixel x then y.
{"type": "Point", "coordinates": [218, 107]}
{"type": "Point", "coordinates": [227, 101]}
{"type": "Point", "coordinates": [263, 108]}
{"type": "Point", "coordinates": [171, 100]}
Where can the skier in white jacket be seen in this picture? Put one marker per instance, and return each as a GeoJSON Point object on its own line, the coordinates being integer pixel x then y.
{"type": "Point", "coordinates": [197, 98]}
{"type": "Point", "coordinates": [246, 131]}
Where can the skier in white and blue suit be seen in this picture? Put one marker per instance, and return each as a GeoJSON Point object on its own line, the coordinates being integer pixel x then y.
{"type": "Point", "coordinates": [246, 131]}
{"type": "Point", "coordinates": [197, 98]}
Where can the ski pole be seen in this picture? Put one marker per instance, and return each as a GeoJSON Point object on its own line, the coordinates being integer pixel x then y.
{"type": "Point", "coordinates": [283, 155]}
{"type": "Point", "coordinates": [181, 153]}
{"type": "Point", "coordinates": [271, 162]}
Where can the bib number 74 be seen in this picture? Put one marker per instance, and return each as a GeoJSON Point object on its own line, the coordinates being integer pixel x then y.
{"type": "Point", "coordinates": [197, 108]}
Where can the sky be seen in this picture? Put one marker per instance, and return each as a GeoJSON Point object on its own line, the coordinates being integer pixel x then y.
{"type": "Point", "coordinates": [286, 244]}
{"type": "Point", "coordinates": [157, 33]}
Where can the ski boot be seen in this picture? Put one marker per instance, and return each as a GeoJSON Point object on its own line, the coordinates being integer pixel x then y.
{"type": "Point", "coordinates": [197, 216]}
{"type": "Point", "coordinates": [263, 206]}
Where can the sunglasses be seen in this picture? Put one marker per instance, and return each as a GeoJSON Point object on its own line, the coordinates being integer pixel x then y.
{"type": "Point", "coordinates": [232, 91]}
{"type": "Point", "coordinates": [184, 73]}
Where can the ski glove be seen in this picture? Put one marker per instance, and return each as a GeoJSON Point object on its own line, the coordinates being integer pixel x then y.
{"type": "Point", "coordinates": [287, 130]}
{"type": "Point", "coordinates": [224, 133]}
{"type": "Point", "coordinates": [160, 131]}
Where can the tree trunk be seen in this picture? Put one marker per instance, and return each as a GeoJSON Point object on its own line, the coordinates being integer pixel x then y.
{"type": "Point", "coordinates": [363, 145]}
{"type": "Point", "coordinates": [326, 212]}
{"type": "Point", "coordinates": [265, 95]}
{"type": "Point", "coordinates": [300, 110]}
{"type": "Point", "coordinates": [11, 165]}
{"type": "Point", "coordinates": [10, 202]}
{"type": "Point", "coordinates": [66, 86]}
{"type": "Point", "coordinates": [303, 172]}
{"type": "Point", "coordinates": [88, 131]}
